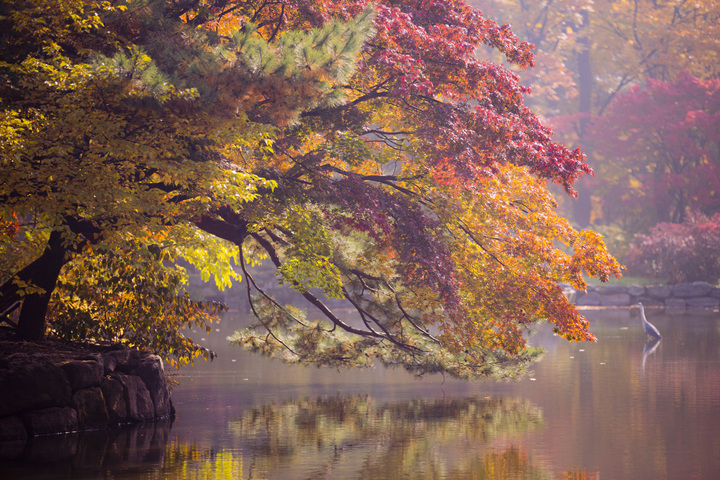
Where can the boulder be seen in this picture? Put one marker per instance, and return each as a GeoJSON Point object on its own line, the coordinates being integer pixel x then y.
{"type": "Point", "coordinates": [659, 291]}
{"type": "Point", "coordinates": [31, 382]}
{"type": "Point", "coordinates": [83, 373]}
{"type": "Point", "coordinates": [12, 428]}
{"type": "Point", "coordinates": [125, 360]}
{"type": "Point", "coordinates": [612, 289]}
{"type": "Point", "coordinates": [636, 290]}
{"type": "Point", "coordinates": [616, 299]}
{"type": "Point", "coordinates": [90, 406]}
{"type": "Point", "coordinates": [109, 363]}
{"type": "Point", "coordinates": [690, 290]}
{"type": "Point", "coordinates": [675, 303]}
{"type": "Point", "coordinates": [115, 402]}
{"type": "Point", "coordinates": [587, 299]}
{"type": "Point", "coordinates": [51, 420]}
{"type": "Point", "coordinates": [152, 373]}
{"type": "Point", "coordinates": [650, 301]}
{"type": "Point", "coordinates": [137, 398]}
{"type": "Point", "coordinates": [706, 302]}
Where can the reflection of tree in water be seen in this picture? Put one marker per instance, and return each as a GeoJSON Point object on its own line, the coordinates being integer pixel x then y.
{"type": "Point", "coordinates": [355, 437]}
{"type": "Point", "coordinates": [185, 461]}
{"type": "Point", "coordinates": [131, 451]}
{"type": "Point", "coordinates": [320, 438]}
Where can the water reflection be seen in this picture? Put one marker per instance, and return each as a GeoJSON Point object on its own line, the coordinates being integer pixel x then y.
{"type": "Point", "coordinates": [356, 437]}
{"type": "Point", "coordinates": [650, 346]}
{"type": "Point", "coordinates": [118, 453]}
{"type": "Point", "coordinates": [339, 437]}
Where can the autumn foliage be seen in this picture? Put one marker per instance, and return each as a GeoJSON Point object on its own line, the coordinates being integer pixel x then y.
{"type": "Point", "coordinates": [660, 141]}
{"type": "Point", "coordinates": [680, 252]}
{"type": "Point", "coordinates": [363, 148]}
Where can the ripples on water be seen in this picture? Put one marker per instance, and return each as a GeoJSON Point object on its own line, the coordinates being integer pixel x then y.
{"type": "Point", "coordinates": [620, 409]}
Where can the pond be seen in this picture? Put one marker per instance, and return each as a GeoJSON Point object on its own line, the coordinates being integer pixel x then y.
{"type": "Point", "coordinates": [617, 409]}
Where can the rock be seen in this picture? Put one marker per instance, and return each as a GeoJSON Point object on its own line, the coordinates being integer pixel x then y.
{"type": "Point", "coordinates": [659, 291]}
{"type": "Point", "coordinates": [50, 420]}
{"type": "Point", "coordinates": [587, 299]}
{"type": "Point", "coordinates": [12, 428]}
{"type": "Point", "coordinates": [715, 292]}
{"type": "Point", "coordinates": [115, 402]}
{"type": "Point", "coordinates": [690, 290]}
{"type": "Point", "coordinates": [83, 373]}
{"type": "Point", "coordinates": [612, 289]}
{"type": "Point", "coordinates": [650, 301]}
{"type": "Point", "coordinates": [614, 300]}
{"type": "Point", "coordinates": [139, 404]}
{"type": "Point", "coordinates": [109, 363]}
{"type": "Point", "coordinates": [636, 290]}
{"type": "Point", "coordinates": [126, 360]}
{"type": "Point", "coordinates": [39, 397]}
{"type": "Point", "coordinates": [97, 357]}
{"type": "Point", "coordinates": [675, 303]}
{"type": "Point", "coordinates": [152, 373]}
{"type": "Point", "coordinates": [91, 410]}
{"type": "Point", "coordinates": [703, 302]}
{"type": "Point", "coordinates": [31, 382]}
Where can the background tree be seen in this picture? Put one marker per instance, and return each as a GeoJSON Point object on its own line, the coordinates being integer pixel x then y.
{"type": "Point", "coordinates": [593, 53]}
{"type": "Point", "coordinates": [626, 41]}
{"type": "Point", "coordinates": [663, 141]}
{"type": "Point", "coordinates": [363, 150]}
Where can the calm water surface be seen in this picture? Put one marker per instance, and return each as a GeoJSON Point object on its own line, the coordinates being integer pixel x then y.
{"type": "Point", "coordinates": [618, 409]}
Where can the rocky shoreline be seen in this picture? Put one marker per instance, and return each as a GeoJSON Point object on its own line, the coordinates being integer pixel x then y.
{"type": "Point", "coordinates": [679, 296]}
{"type": "Point", "coordinates": [51, 389]}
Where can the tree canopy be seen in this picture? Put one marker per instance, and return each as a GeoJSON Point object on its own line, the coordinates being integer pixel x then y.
{"type": "Point", "coordinates": [363, 148]}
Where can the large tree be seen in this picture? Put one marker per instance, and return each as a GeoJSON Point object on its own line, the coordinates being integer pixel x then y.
{"type": "Point", "coordinates": [361, 147]}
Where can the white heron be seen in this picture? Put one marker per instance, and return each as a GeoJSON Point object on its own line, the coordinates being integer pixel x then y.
{"type": "Point", "coordinates": [649, 328]}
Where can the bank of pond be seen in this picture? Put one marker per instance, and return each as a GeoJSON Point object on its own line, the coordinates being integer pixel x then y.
{"type": "Point", "coordinates": [62, 391]}
{"type": "Point", "coordinates": [679, 296]}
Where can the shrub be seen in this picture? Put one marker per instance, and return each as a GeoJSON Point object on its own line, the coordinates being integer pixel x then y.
{"type": "Point", "coordinates": [680, 252]}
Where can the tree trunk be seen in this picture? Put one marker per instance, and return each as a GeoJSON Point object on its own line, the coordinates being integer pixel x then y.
{"type": "Point", "coordinates": [582, 206]}
{"type": "Point", "coordinates": [42, 273]}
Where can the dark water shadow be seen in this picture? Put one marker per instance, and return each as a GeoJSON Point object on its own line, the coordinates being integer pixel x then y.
{"type": "Point", "coordinates": [122, 452]}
